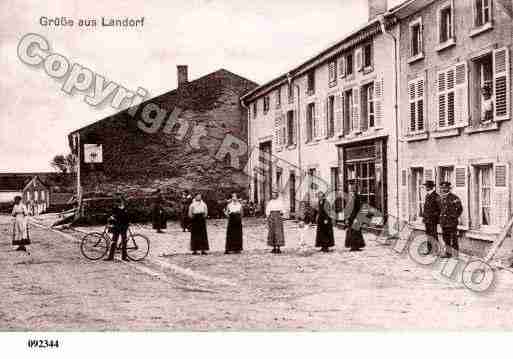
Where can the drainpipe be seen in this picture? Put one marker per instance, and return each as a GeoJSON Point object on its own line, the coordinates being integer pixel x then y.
{"type": "Point", "coordinates": [381, 20]}
{"type": "Point", "coordinates": [248, 164]}
{"type": "Point", "coordinates": [298, 139]}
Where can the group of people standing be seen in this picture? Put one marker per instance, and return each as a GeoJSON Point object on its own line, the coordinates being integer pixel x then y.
{"type": "Point", "coordinates": [442, 209]}
{"type": "Point", "coordinates": [324, 238]}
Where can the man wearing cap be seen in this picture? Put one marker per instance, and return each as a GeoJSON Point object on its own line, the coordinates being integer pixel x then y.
{"type": "Point", "coordinates": [431, 214]}
{"type": "Point", "coordinates": [450, 211]}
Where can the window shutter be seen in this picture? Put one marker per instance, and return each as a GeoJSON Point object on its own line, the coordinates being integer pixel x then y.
{"type": "Point", "coordinates": [378, 103]}
{"type": "Point", "coordinates": [462, 116]}
{"type": "Point", "coordinates": [500, 195]}
{"type": "Point", "coordinates": [277, 133]}
{"type": "Point", "coordinates": [325, 116]}
{"type": "Point", "coordinates": [404, 195]}
{"type": "Point", "coordinates": [294, 124]}
{"type": "Point", "coordinates": [356, 110]}
{"type": "Point", "coordinates": [308, 124]}
{"type": "Point", "coordinates": [442, 106]}
{"type": "Point", "coordinates": [412, 125]}
{"type": "Point", "coordinates": [461, 190]}
{"type": "Point", "coordinates": [338, 113]}
{"type": "Point", "coordinates": [501, 86]}
{"type": "Point", "coordinates": [421, 36]}
{"type": "Point", "coordinates": [342, 67]}
{"type": "Point", "coordinates": [359, 59]}
{"type": "Point", "coordinates": [284, 137]}
{"type": "Point", "coordinates": [421, 108]}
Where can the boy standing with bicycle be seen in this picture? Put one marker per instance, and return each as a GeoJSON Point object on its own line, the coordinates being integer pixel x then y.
{"type": "Point", "coordinates": [119, 221]}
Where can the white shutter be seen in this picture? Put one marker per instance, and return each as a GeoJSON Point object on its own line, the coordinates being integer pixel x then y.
{"type": "Point", "coordinates": [294, 124]}
{"type": "Point", "coordinates": [501, 85]}
{"type": "Point", "coordinates": [359, 59]}
{"type": "Point", "coordinates": [421, 107]}
{"type": "Point", "coordinates": [412, 123]}
{"type": "Point", "coordinates": [342, 67]}
{"type": "Point", "coordinates": [277, 133]}
{"type": "Point", "coordinates": [284, 137]}
{"type": "Point", "coordinates": [461, 106]}
{"type": "Point", "coordinates": [461, 190]}
{"type": "Point", "coordinates": [338, 114]}
{"type": "Point", "coordinates": [378, 103]}
{"type": "Point", "coordinates": [404, 195]}
{"type": "Point", "coordinates": [356, 110]}
{"type": "Point", "coordinates": [305, 128]}
{"type": "Point", "coordinates": [500, 195]}
{"type": "Point", "coordinates": [442, 103]}
{"type": "Point", "coordinates": [451, 96]}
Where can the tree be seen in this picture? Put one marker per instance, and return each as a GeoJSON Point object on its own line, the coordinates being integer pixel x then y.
{"type": "Point", "coordinates": [64, 164]}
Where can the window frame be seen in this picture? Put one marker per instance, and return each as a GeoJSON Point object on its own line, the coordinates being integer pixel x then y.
{"type": "Point", "coordinates": [255, 109]}
{"type": "Point", "coordinates": [330, 116]}
{"type": "Point", "coordinates": [370, 57]}
{"type": "Point", "coordinates": [310, 82]}
{"type": "Point", "coordinates": [450, 36]}
{"type": "Point", "coordinates": [349, 64]}
{"type": "Point", "coordinates": [476, 10]}
{"type": "Point", "coordinates": [310, 122]}
{"type": "Point", "coordinates": [290, 128]}
{"type": "Point", "coordinates": [415, 99]}
{"type": "Point", "coordinates": [446, 93]}
{"type": "Point", "coordinates": [278, 97]}
{"type": "Point", "coordinates": [266, 104]}
{"type": "Point", "coordinates": [479, 190]}
{"type": "Point", "coordinates": [416, 188]}
{"type": "Point", "coordinates": [420, 40]}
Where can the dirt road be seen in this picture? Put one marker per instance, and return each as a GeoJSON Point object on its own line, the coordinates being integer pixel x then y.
{"type": "Point", "coordinates": [55, 288]}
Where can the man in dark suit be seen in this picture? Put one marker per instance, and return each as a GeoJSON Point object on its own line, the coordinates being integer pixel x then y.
{"type": "Point", "coordinates": [450, 211]}
{"type": "Point", "coordinates": [431, 214]}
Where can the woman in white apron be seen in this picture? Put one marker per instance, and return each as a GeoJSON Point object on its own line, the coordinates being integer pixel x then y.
{"type": "Point", "coordinates": [20, 231]}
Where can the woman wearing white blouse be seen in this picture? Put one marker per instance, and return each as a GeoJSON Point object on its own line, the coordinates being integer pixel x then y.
{"type": "Point", "coordinates": [234, 230]}
{"type": "Point", "coordinates": [198, 213]}
{"type": "Point", "coordinates": [273, 212]}
{"type": "Point", "coordinates": [20, 231]}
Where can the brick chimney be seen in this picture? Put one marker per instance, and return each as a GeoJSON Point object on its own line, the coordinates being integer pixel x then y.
{"type": "Point", "coordinates": [376, 7]}
{"type": "Point", "coordinates": [182, 75]}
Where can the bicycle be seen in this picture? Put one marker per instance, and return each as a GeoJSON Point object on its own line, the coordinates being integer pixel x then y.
{"type": "Point", "coordinates": [95, 245]}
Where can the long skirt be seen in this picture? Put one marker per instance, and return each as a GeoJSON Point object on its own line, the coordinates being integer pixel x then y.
{"type": "Point", "coordinates": [159, 219]}
{"type": "Point", "coordinates": [20, 235]}
{"type": "Point", "coordinates": [324, 237]}
{"type": "Point", "coordinates": [275, 236]}
{"type": "Point", "coordinates": [234, 233]}
{"type": "Point", "coordinates": [354, 238]}
{"type": "Point", "coordinates": [199, 238]}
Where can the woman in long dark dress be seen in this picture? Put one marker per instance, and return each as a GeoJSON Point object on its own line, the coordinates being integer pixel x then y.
{"type": "Point", "coordinates": [198, 213]}
{"type": "Point", "coordinates": [324, 237]}
{"type": "Point", "coordinates": [234, 230]}
{"type": "Point", "coordinates": [158, 214]}
{"type": "Point", "coordinates": [354, 236]}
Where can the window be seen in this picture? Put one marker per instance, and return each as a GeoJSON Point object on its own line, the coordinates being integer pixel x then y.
{"type": "Point", "coordinates": [482, 90]}
{"type": "Point", "coordinates": [364, 172]}
{"type": "Point", "coordinates": [417, 193]}
{"type": "Point", "coordinates": [416, 38]}
{"type": "Point", "coordinates": [334, 172]}
{"type": "Point", "coordinates": [446, 174]}
{"type": "Point", "coordinates": [291, 138]}
{"type": "Point", "coordinates": [482, 12]}
{"type": "Point", "coordinates": [255, 109]}
{"type": "Point", "coordinates": [332, 72]}
{"type": "Point", "coordinates": [290, 91]}
{"type": "Point", "coordinates": [445, 24]}
{"type": "Point", "coordinates": [484, 194]}
{"type": "Point", "coordinates": [310, 122]}
{"type": "Point", "coordinates": [446, 93]}
{"type": "Point", "coordinates": [331, 117]}
{"type": "Point", "coordinates": [416, 104]}
{"type": "Point", "coordinates": [278, 98]}
{"type": "Point", "coordinates": [348, 110]}
{"type": "Point", "coordinates": [367, 56]}
{"type": "Point", "coordinates": [311, 82]}
{"type": "Point", "coordinates": [266, 104]}
{"type": "Point", "coordinates": [279, 172]}
{"type": "Point", "coordinates": [368, 114]}
{"type": "Point", "coordinates": [312, 188]}
{"type": "Point", "coordinates": [349, 64]}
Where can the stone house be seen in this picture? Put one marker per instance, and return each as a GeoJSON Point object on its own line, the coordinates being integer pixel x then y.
{"type": "Point", "coordinates": [328, 120]}
{"type": "Point", "coordinates": [455, 110]}
{"type": "Point", "coordinates": [168, 142]}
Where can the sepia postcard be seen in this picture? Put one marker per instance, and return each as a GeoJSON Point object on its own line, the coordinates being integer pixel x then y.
{"type": "Point", "coordinates": [233, 166]}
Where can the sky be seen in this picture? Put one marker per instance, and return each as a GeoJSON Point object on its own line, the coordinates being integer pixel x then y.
{"type": "Point", "coordinates": [258, 40]}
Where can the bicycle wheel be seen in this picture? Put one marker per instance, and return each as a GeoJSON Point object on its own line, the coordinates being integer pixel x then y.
{"type": "Point", "coordinates": [137, 247]}
{"type": "Point", "coordinates": [94, 246]}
